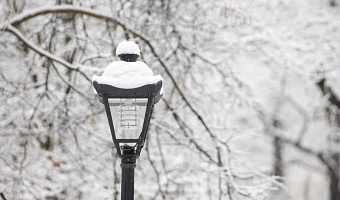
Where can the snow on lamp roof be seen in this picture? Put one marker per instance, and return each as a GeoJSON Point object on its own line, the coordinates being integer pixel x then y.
{"type": "Point", "coordinates": [127, 75]}
{"type": "Point", "coordinates": [128, 47]}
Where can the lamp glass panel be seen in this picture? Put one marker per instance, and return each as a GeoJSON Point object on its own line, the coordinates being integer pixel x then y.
{"type": "Point", "coordinates": [128, 116]}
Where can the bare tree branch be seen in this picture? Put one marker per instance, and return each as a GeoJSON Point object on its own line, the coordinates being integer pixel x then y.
{"type": "Point", "coordinates": [71, 85]}
{"type": "Point", "coordinates": [72, 9]}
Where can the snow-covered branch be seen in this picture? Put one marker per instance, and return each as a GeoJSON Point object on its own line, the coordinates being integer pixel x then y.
{"type": "Point", "coordinates": [71, 85]}
{"type": "Point", "coordinates": [72, 9]}
{"type": "Point", "coordinates": [39, 50]}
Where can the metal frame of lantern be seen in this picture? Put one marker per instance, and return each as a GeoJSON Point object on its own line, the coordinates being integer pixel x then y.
{"type": "Point", "coordinates": [147, 91]}
{"type": "Point", "coordinates": [129, 154]}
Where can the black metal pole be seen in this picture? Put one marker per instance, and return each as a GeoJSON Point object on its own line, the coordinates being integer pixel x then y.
{"type": "Point", "coordinates": [128, 164]}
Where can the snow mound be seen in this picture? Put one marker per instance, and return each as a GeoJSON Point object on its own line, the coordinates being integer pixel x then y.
{"type": "Point", "coordinates": [127, 47]}
{"type": "Point", "coordinates": [127, 75]}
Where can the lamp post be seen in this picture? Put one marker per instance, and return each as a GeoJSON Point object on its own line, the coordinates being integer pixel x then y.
{"type": "Point", "coordinates": [128, 112]}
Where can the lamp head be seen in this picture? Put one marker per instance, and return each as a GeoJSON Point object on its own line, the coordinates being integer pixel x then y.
{"type": "Point", "coordinates": [129, 112]}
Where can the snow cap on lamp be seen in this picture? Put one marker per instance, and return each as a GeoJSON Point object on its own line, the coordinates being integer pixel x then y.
{"type": "Point", "coordinates": [128, 51]}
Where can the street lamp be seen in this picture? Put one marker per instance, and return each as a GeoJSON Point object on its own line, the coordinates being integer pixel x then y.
{"type": "Point", "coordinates": [128, 112]}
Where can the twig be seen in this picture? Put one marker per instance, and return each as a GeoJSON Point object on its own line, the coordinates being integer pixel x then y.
{"type": "Point", "coordinates": [71, 85]}
{"type": "Point", "coordinates": [72, 9]}
{"type": "Point", "coordinates": [2, 196]}
{"type": "Point", "coordinates": [38, 49]}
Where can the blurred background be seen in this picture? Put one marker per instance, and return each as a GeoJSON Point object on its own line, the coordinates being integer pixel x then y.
{"type": "Point", "coordinates": [250, 110]}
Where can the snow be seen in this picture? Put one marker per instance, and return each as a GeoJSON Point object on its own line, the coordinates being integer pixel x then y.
{"type": "Point", "coordinates": [127, 75]}
{"type": "Point", "coordinates": [127, 47]}
{"type": "Point", "coordinates": [240, 65]}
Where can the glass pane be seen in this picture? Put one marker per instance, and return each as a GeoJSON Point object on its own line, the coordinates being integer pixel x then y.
{"type": "Point", "coordinates": [128, 116]}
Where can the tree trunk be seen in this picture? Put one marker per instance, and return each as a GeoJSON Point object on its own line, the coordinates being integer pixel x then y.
{"type": "Point", "coordinates": [334, 186]}
{"type": "Point", "coordinates": [333, 173]}
{"type": "Point", "coordinates": [278, 157]}
{"type": "Point", "coordinates": [332, 3]}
